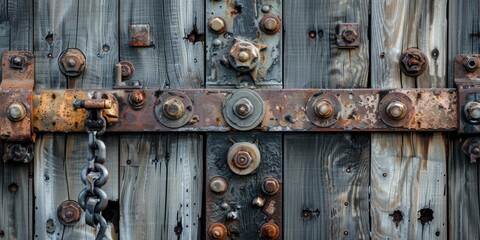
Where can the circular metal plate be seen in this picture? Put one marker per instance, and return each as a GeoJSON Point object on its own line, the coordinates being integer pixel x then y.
{"type": "Point", "coordinates": [251, 149]}
{"type": "Point", "coordinates": [173, 123]}
{"type": "Point", "coordinates": [247, 123]}
{"type": "Point", "coordinates": [322, 122]}
{"type": "Point", "coordinates": [396, 96]}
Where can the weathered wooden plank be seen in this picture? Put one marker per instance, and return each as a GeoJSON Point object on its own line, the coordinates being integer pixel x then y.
{"type": "Point", "coordinates": [16, 186]}
{"type": "Point", "coordinates": [90, 27]}
{"type": "Point", "coordinates": [161, 189]}
{"type": "Point", "coordinates": [175, 61]}
{"type": "Point", "coordinates": [463, 176]}
{"type": "Point", "coordinates": [322, 199]}
{"type": "Point", "coordinates": [408, 170]}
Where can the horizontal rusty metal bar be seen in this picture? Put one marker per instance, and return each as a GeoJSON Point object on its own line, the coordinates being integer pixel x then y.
{"type": "Point", "coordinates": [284, 110]}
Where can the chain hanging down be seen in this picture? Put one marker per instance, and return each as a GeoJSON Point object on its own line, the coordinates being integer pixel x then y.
{"type": "Point", "coordinates": [93, 199]}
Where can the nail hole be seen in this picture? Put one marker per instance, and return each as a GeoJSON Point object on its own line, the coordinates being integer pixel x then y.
{"type": "Point", "coordinates": [397, 217]}
{"type": "Point", "coordinates": [312, 34]}
{"type": "Point", "coordinates": [437, 233]}
{"type": "Point", "coordinates": [384, 174]}
{"type": "Point", "coordinates": [50, 55]}
{"type": "Point", "coordinates": [49, 38]}
{"type": "Point", "coordinates": [106, 47]}
{"type": "Point", "coordinates": [382, 55]}
{"type": "Point", "coordinates": [13, 187]}
{"type": "Point", "coordinates": [426, 215]}
{"type": "Point", "coordinates": [54, 96]}
{"type": "Point", "coordinates": [129, 162]}
{"type": "Point", "coordinates": [435, 53]}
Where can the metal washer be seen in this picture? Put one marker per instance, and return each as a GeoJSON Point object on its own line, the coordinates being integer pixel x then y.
{"type": "Point", "coordinates": [173, 123]}
{"type": "Point", "coordinates": [250, 122]}
{"type": "Point", "coordinates": [323, 122]}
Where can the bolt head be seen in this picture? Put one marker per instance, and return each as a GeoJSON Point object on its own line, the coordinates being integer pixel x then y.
{"type": "Point", "coordinates": [413, 62]}
{"type": "Point", "coordinates": [324, 108]}
{"type": "Point", "coordinates": [72, 61]}
{"type": "Point", "coordinates": [396, 110]}
{"type": "Point", "coordinates": [258, 202]}
{"type": "Point", "coordinates": [16, 112]}
{"type": "Point", "coordinates": [270, 24]}
{"type": "Point", "coordinates": [217, 231]}
{"type": "Point", "coordinates": [470, 64]}
{"type": "Point", "coordinates": [270, 186]}
{"type": "Point", "coordinates": [174, 109]}
{"type": "Point", "coordinates": [269, 231]}
{"type": "Point", "coordinates": [242, 159]}
{"type": "Point", "coordinates": [243, 56]}
{"type": "Point", "coordinates": [349, 35]}
{"type": "Point", "coordinates": [69, 212]}
{"type": "Point", "coordinates": [217, 25]}
{"type": "Point", "coordinates": [243, 108]}
{"type": "Point", "coordinates": [266, 8]}
{"type": "Point", "coordinates": [473, 111]}
{"type": "Point", "coordinates": [137, 99]}
{"type": "Point", "coordinates": [218, 185]}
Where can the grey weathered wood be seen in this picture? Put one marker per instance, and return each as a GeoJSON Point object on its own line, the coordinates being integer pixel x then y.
{"type": "Point", "coordinates": [173, 62]}
{"type": "Point", "coordinates": [161, 189]}
{"type": "Point", "coordinates": [408, 170]}
{"type": "Point", "coordinates": [315, 178]}
{"type": "Point", "coordinates": [87, 26]}
{"type": "Point", "coordinates": [463, 176]}
{"type": "Point", "coordinates": [16, 220]}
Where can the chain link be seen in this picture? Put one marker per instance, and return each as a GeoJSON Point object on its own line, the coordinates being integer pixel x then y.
{"type": "Point", "coordinates": [93, 199]}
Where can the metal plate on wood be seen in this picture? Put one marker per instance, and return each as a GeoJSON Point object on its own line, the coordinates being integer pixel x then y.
{"type": "Point", "coordinates": [247, 204]}
{"type": "Point", "coordinates": [257, 25]}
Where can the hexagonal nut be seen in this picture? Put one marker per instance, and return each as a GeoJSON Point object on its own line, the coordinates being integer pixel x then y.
{"type": "Point", "coordinates": [414, 62]}
{"type": "Point", "coordinates": [72, 62]}
{"type": "Point", "coordinates": [270, 186]}
{"type": "Point", "coordinates": [69, 212]}
{"type": "Point", "coordinates": [242, 159]}
{"type": "Point", "coordinates": [243, 56]}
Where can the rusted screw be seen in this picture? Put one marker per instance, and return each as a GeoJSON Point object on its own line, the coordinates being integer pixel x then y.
{"type": "Point", "coordinates": [414, 62]}
{"type": "Point", "coordinates": [258, 202]}
{"type": "Point", "coordinates": [470, 64]}
{"type": "Point", "coordinates": [243, 108]}
{"type": "Point", "coordinates": [137, 99]}
{"type": "Point", "coordinates": [17, 62]}
{"type": "Point", "coordinates": [324, 108]}
{"type": "Point", "coordinates": [396, 110]}
{"type": "Point", "coordinates": [242, 159]}
{"type": "Point", "coordinates": [69, 212]}
{"type": "Point", "coordinates": [174, 109]}
{"type": "Point", "coordinates": [270, 24]}
{"type": "Point", "coordinates": [217, 231]}
{"type": "Point", "coordinates": [218, 185]}
{"type": "Point", "coordinates": [269, 231]}
{"type": "Point", "coordinates": [349, 35]}
{"type": "Point", "coordinates": [217, 25]}
{"type": "Point", "coordinates": [270, 186]}
{"type": "Point", "coordinates": [472, 110]}
{"type": "Point", "coordinates": [16, 111]}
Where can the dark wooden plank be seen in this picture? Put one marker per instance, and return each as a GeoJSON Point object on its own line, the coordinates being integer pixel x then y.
{"type": "Point", "coordinates": [322, 199]}
{"type": "Point", "coordinates": [408, 171]}
{"type": "Point", "coordinates": [16, 198]}
{"type": "Point", "coordinates": [463, 176]}
{"type": "Point", "coordinates": [90, 27]}
{"type": "Point", "coordinates": [161, 189]}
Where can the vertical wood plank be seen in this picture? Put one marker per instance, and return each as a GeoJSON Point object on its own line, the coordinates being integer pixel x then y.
{"type": "Point", "coordinates": [16, 186]}
{"type": "Point", "coordinates": [325, 176]}
{"type": "Point", "coordinates": [408, 171]}
{"type": "Point", "coordinates": [90, 27]}
{"type": "Point", "coordinates": [172, 209]}
{"type": "Point", "coordinates": [463, 176]}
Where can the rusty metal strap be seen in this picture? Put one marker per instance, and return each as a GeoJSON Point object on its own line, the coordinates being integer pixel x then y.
{"type": "Point", "coordinates": [200, 110]}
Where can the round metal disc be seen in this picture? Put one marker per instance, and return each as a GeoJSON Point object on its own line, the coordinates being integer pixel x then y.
{"type": "Point", "coordinates": [247, 123]}
{"type": "Point", "coordinates": [318, 121]}
{"type": "Point", "coordinates": [173, 123]}
{"type": "Point", "coordinates": [396, 96]}
{"type": "Point", "coordinates": [252, 150]}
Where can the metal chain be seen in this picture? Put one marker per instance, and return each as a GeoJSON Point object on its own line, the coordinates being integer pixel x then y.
{"type": "Point", "coordinates": [93, 199]}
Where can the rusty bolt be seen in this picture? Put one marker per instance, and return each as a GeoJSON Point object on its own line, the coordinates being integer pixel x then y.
{"type": "Point", "coordinates": [470, 64]}
{"type": "Point", "coordinates": [243, 108]}
{"type": "Point", "coordinates": [128, 69]}
{"type": "Point", "coordinates": [16, 111]}
{"type": "Point", "coordinates": [270, 186]}
{"type": "Point", "coordinates": [20, 153]}
{"type": "Point", "coordinates": [218, 185]}
{"type": "Point", "coordinates": [243, 56]}
{"type": "Point", "coordinates": [69, 212]}
{"type": "Point", "coordinates": [414, 62]}
{"type": "Point", "coordinates": [472, 112]}
{"type": "Point", "coordinates": [324, 108]}
{"type": "Point", "coordinates": [349, 35]}
{"type": "Point", "coordinates": [258, 202]}
{"type": "Point", "coordinates": [137, 99]}
{"type": "Point", "coordinates": [396, 110]}
{"type": "Point", "coordinates": [217, 25]}
{"type": "Point", "coordinates": [270, 24]}
{"type": "Point", "coordinates": [17, 62]}
{"type": "Point", "coordinates": [174, 108]}
{"type": "Point", "coordinates": [217, 231]}
{"type": "Point", "coordinates": [72, 62]}
{"type": "Point", "coordinates": [269, 231]}
{"type": "Point", "coordinates": [242, 159]}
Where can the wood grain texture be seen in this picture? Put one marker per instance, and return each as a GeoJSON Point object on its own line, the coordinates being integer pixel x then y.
{"type": "Point", "coordinates": [408, 170]}
{"type": "Point", "coordinates": [463, 176]}
{"type": "Point", "coordinates": [316, 184]}
{"type": "Point", "coordinates": [316, 62]}
{"type": "Point", "coordinates": [326, 186]}
{"type": "Point", "coordinates": [16, 185]}
{"type": "Point", "coordinates": [88, 26]}
{"type": "Point", "coordinates": [161, 189]}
